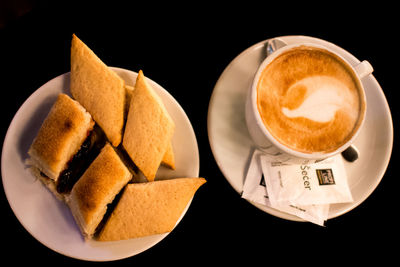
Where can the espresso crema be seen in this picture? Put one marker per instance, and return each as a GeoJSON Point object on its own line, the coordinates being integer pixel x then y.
{"type": "Point", "coordinates": [309, 100]}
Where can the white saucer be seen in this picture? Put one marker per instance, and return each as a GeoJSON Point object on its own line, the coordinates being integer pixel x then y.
{"type": "Point", "coordinates": [49, 220]}
{"type": "Point", "coordinates": [231, 144]}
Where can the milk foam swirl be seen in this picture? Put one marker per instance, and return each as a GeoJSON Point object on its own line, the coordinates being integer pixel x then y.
{"type": "Point", "coordinates": [325, 95]}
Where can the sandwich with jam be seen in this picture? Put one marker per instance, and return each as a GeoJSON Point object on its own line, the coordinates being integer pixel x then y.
{"type": "Point", "coordinates": [94, 144]}
{"type": "Point", "coordinates": [65, 145]}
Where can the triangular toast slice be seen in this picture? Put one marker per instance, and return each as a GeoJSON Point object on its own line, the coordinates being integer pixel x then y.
{"type": "Point", "coordinates": [169, 157]}
{"type": "Point", "coordinates": [149, 208]}
{"type": "Point", "coordinates": [149, 129]}
{"type": "Point", "coordinates": [98, 89]}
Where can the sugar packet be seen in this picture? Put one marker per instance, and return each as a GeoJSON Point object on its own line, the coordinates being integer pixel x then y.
{"type": "Point", "coordinates": [324, 182]}
{"type": "Point", "coordinates": [255, 190]}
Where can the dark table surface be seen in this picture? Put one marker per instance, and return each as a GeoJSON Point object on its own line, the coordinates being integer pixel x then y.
{"type": "Point", "coordinates": [185, 48]}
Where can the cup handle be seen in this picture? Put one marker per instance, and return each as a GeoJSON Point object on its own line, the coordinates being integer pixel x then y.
{"type": "Point", "coordinates": [363, 69]}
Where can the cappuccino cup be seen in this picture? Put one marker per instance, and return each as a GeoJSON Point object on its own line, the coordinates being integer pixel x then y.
{"type": "Point", "coordinates": [306, 103]}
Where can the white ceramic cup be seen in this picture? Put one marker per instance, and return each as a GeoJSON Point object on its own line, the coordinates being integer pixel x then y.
{"type": "Point", "coordinates": [264, 140]}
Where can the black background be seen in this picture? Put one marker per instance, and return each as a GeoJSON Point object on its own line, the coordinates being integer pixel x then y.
{"type": "Point", "coordinates": [185, 47]}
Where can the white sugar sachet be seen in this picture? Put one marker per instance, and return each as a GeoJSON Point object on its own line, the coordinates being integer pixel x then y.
{"type": "Point", "coordinates": [317, 214]}
{"type": "Point", "coordinates": [324, 182]}
{"type": "Point", "coordinates": [254, 189]}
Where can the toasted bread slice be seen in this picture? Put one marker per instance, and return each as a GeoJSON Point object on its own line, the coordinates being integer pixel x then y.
{"type": "Point", "coordinates": [169, 157]}
{"type": "Point", "coordinates": [97, 188]}
{"type": "Point", "coordinates": [60, 137]}
{"type": "Point", "coordinates": [149, 208]}
{"type": "Point", "coordinates": [99, 89]}
{"type": "Point", "coordinates": [149, 129]}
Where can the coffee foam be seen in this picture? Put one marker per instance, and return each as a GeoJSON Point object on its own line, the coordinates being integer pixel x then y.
{"type": "Point", "coordinates": [308, 100]}
{"type": "Point", "coordinates": [325, 94]}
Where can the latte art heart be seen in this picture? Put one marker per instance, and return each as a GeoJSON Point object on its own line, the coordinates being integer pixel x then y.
{"type": "Point", "coordinates": [325, 95]}
{"type": "Point", "coordinates": [309, 100]}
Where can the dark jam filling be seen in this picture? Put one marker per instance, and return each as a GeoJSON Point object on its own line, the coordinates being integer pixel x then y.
{"type": "Point", "coordinates": [81, 160]}
{"type": "Point", "coordinates": [110, 208]}
{"type": "Point", "coordinates": [69, 176]}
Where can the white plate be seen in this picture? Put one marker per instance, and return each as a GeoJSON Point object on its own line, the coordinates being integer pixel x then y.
{"type": "Point", "coordinates": [231, 144]}
{"type": "Point", "coordinates": [49, 220]}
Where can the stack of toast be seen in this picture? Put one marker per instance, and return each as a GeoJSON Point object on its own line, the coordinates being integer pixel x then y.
{"type": "Point", "coordinates": [90, 148]}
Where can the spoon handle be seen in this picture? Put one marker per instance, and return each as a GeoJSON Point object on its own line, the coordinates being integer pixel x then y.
{"type": "Point", "coordinates": [274, 44]}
